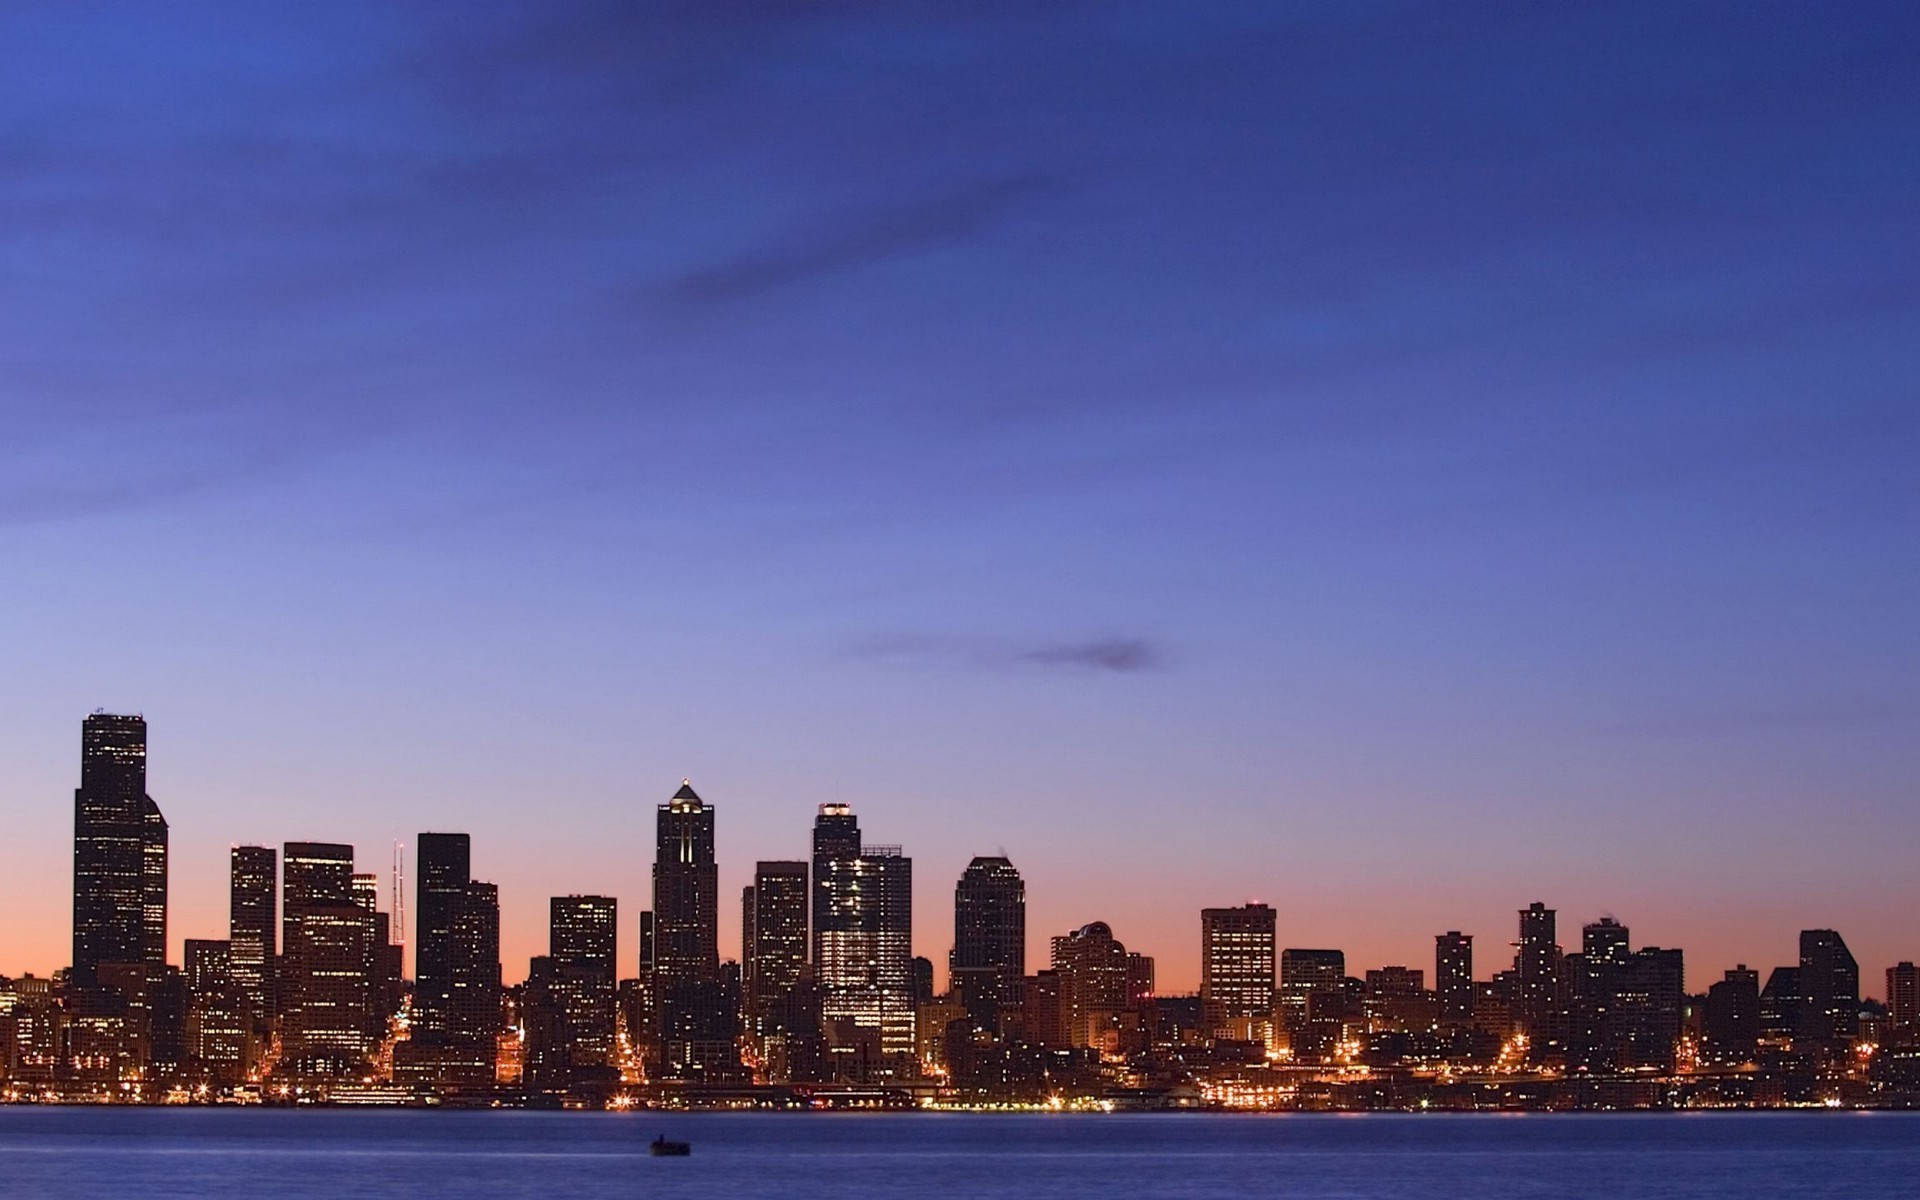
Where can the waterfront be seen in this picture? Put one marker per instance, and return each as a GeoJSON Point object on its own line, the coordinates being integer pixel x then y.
{"type": "Point", "coordinates": [55, 1153]}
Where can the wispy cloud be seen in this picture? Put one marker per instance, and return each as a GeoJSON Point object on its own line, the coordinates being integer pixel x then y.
{"type": "Point", "coordinates": [1103, 655]}
{"type": "Point", "coordinates": [857, 240]}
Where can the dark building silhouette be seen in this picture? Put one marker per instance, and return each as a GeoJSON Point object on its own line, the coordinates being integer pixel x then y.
{"type": "Point", "coordinates": [1536, 967]}
{"type": "Point", "coordinates": [456, 1019]}
{"type": "Point", "coordinates": [989, 957]}
{"type": "Point", "coordinates": [119, 852]}
{"type": "Point", "coordinates": [1903, 1004]}
{"type": "Point", "coordinates": [326, 987]}
{"type": "Point", "coordinates": [570, 996]}
{"type": "Point", "coordinates": [1453, 974]}
{"type": "Point", "coordinates": [1781, 1002]}
{"type": "Point", "coordinates": [775, 937]}
{"type": "Point", "coordinates": [1237, 971]}
{"type": "Point", "coordinates": [1314, 997]}
{"type": "Point", "coordinates": [1732, 1024]}
{"type": "Point", "coordinates": [696, 1015]}
{"type": "Point", "coordinates": [1830, 988]}
{"type": "Point", "coordinates": [1649, 995]}
{"type": "Point", "coordinates": [253, 912]}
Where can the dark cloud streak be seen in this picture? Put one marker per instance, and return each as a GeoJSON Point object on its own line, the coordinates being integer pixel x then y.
{"type": "Point", "coordinates": [851, 242]}
{"type": "Point", "coordinates": [1107, 655]}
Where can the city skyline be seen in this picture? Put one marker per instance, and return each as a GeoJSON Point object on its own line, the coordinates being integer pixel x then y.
{"type": "Point", "coordinates": [451, 852]}
{"type": "Point", "coordinates": [828, 1005]}
{"type": "Point", "coordinates": [1394, 462]}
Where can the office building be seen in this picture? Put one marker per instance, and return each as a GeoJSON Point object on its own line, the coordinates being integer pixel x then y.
{"type": "Point", "coordinates": [326, 998]}
{"type": "Point", "coordinates": [1830, 990]}
{"type": "Point", "coordinates": [1903, 1004]}
{"type": "Point", "coordinates": [1453, 975]}
{"type": "Point", "coordinates": [1732, 1021]}
{"type": "Point", "coordinates": [119, 852]}
{"type": "Point", "coordinates": [253, 912]}
{"type": "Point", "coordinates": [863, 932]}
{"type": "Point", "coordinates": [695, 1013]}
{"type": "Point", "coordinates": [989, 957]}
{"type": "Point", "coordinates": [1237, 971]}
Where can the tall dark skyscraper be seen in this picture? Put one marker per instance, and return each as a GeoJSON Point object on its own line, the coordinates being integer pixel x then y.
{"type": "Point", "coordinates": [1732, 1025]}
{"type": "Point", "coordinates": [989, 957]}
{"type": "Point", "coordinates": [326, 993]}
{"type": "Point", "coordinates": [1830, 991]}
{"type": "Point", "coordinates": [442, 870]}
{"type": "Point", "coordinates": [696, 1015]}
{"type": "Point", "coordinates": [253, 910]}
{"type": "Point", "coordinates": [775, 957]}
{"type": "Point", "coordinates": [119, 852]}
{"type": "Point", "coordinates": [1236, 970]}
{"type": "Point", "coordinates": [571, 995]}
{"type": "Point", "coordinates": [863, 930]}
{"type": "Point", "coordinates": [1903, 1003]}
{"type": "Point", "coordinates": [456, 960]}
{"type": "Point", "coordinates": [1537, 972]}
{"type": "Point", "coordinates": [1453, 974]}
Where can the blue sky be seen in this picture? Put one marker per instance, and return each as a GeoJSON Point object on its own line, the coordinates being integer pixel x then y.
{"type": "Point", "coordinates": [1398, 461]}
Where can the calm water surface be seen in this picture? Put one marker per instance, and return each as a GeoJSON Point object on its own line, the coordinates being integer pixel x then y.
{"type": "Point", "coordinates": [153, 1153]}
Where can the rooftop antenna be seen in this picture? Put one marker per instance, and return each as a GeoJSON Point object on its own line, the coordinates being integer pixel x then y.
{"type": "Point", "coordinates": [399, 897]}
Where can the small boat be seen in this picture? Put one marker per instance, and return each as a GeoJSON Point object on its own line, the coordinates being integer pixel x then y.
{"type": "Point", "coordinates": [662, 1148]}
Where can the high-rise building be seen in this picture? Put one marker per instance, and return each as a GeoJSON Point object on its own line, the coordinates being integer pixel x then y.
{"type": "Point", "coordinates": [1781, 1004]}
{"type": "Point", "coordinates": [326, 996]}
{"type": "Point", "coordinates": [570, 998]}
{"type": "Point", "coordinates": [695, 1014]}
{"type": "Point", "coordinates": [1830, 987]}
{"type": "Point", "coordinates": [253, 910]}
{"type": "Point", "coordinates": [1453, 974]}
{"type": "Point", "coordinates": [443, 867]}
{"type": "Point", "coordinates": [1236, 971]}
{"type": "Point", "coordinates": [863, 930]}
{"type": "Point", "coordinates": [1098, 983]}
{"type": "Point", "coordinates": [775, 953]}
{"type": "Point", "coordinates": [119, 852]}
{"type": "Point", "coordinates": [456, 1006]}
{"type": "Point", "coordinates": [219, 1035]}
{"type": "Point", "coordinates": [1903, 1003]}
{"type": "Point", "coordinates": [1646, 1007]}
{"type": "Point", "coordinates": [989, 958]}
{"type": "Point", "coordinates": [1732, 1025]}
{"type": "Point", "coordinates": [1536, 967]}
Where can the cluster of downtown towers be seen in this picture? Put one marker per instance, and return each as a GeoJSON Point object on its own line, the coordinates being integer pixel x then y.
{"type": "Point", "coordinates": [307, 988]}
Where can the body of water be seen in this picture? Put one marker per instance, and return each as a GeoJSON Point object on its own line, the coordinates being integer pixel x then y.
{"type": "Point", "coordinates": [210, 1154]}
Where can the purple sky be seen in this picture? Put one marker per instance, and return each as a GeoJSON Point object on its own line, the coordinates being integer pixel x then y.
{"type": "Point", "coordinates": [1396, 461]}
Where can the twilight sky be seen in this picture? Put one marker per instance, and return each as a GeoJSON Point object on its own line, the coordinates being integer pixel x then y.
{"type": "Point", "coordinates": [1396, 461]}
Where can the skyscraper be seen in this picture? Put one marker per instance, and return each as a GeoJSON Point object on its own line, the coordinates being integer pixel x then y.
{"type": "Point", "coordinates": [1537, 970]}
{"type": "Point", "coordinates": [1236, 971]}
{"type": "Point", "coordinates": [775, 954]}
{"type": "Point", "coordinates": [1733, 1018]}
{"type": "Point", "coordinates": [1903, 1003]}
{"type": "Point", "coordinates": [456, 956]}
{"type": "Point", "coordinates": [442, 871]}
{"type": "Point", "coordinates": [1098, 983]}
{"type": "Point", "coordinates": [1830, 990]}
{"type": "Point", "coordinates": [326, 993]}
{"type": "Point", "coordinates": [696, 1016]}
{"type": "Point", "coordinates": [570, 996]}
{"type": "Point", "coordinates": [119, 852]}
{"type": "Point", "coordinates": [863, 930]}
{"type": "Point", "coordinates": [1453, 974]}
{"type": "Point", "coordinates": [989, 958]}
{"type": "Point", "coordinates": [253, 909]}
